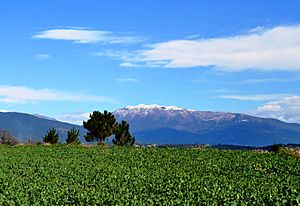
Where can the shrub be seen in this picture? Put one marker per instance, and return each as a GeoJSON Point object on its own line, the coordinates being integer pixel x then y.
{"type": "Point", "coordinates": [275, 148]}
{"type": "Point", "coordinates": [7, 138]}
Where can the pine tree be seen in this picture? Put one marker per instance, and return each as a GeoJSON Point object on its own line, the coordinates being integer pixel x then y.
{"type": "Point", "coordinates": [122, 135]}
{"type": "Point", "coordinates": [99, 126]}
{"type": "Point", "coordinates": [51, 137]}
{"type": "Point", "coordinates": [73, 135]}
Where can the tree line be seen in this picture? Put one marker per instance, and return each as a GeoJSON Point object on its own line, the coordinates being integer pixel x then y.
{"type": "Point", "coordinates": [100, 126]}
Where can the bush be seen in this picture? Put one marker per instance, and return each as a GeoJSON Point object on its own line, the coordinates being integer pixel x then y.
{"type": "Point", "coordinates": [275, 147]}
{"type": "Point", "coordinates": [7, 138]}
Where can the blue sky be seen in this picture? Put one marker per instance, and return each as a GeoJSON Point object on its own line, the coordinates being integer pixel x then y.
{"type": "Point", "coordinates": [64, 59]}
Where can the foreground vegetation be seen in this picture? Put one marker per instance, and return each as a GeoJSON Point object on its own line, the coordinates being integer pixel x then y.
{"type": "Point", "coordinates": [77, 175]}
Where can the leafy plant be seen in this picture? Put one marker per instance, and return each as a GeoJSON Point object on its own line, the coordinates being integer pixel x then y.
{"type": "Point", "coordinates": [60, 175]}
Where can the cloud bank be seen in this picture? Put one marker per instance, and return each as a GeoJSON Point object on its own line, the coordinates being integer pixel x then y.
{"type": "Point", "coordinates": [84, 36]}
{"type": "Point", "coordinates": [254, 97]}
{"type": "Point", "coordinates": [74, 118]}
{"type": "Point", "coordinates": [18, 94]}
{"type": "Point", "coordinates": [277, 48]}
{"type": "Point", "coordinates": [285, 109]}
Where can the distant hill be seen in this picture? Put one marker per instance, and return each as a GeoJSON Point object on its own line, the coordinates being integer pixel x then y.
{"type": "Point", "coordinates": [154, 124]}
{"type": "Point", "coordinates": [34, 127]}
{"type": "Point", "coordinates": [175, 125]}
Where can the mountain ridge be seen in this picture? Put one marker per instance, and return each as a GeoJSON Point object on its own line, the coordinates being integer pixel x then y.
{"type": "Point", "coordinates": [155, 122]}
{"type": "Point", "coordinates": [25, 126]}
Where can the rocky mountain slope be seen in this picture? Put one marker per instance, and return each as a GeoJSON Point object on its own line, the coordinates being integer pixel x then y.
{"type": "Point", "coordinates": [175, 125]}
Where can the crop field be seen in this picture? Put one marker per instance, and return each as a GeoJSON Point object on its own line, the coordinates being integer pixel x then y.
{"type": "Point", "coordinates": [63, 175]}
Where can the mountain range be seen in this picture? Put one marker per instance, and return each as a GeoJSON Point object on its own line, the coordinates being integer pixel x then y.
{"type": "Point", "coordinates": [33, 127]}
{"type": "Point", "coordinates": [175, 125]}
{"type": "Point", "coordinates": [155, 124]}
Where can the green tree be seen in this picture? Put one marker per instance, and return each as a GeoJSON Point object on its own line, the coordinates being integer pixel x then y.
{"type": "Point", "coordinates": [7, 138]}
{"type": "Point", "coordinates": [99, 126]}
{"type": "Point", "coordinates": [122, 135]}
{"type": "Point", "coordinates": [51, 136]}
{"type": "Point", "coordinates": [73, 136]}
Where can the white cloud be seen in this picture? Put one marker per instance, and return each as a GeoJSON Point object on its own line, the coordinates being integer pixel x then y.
{"type": "Point", "coordinates": [122, 54]}
{"type": "Point", "coordinates": [84, 36]}
{"type": "Point", "coordinates": [129, 58]}
{"type": "Point", "coordinates": [254, 97]}
{"type": "Point", "coordinates": [270, 107]}
{"type": "Point", "coordinates": [221, 90]}
{"type": "Point", "coordinates": [286, 109]}
{"type": "Point", "coordinates": [262, 49]}
{"type": "Point", "coordinates": [129, 64]}
{"type": "Point", "coordinates": [18, 94]}
{"type": "Point", "coordinates": [127, 80]}
{"type": "Point", "coordinates": [74, 118]}
{"type": "Point", "coordinates": [42, 56]}
{"type": "Point", "coordinates": [268, 80]}
{"type": "Point", "coordinates": [193, 36]}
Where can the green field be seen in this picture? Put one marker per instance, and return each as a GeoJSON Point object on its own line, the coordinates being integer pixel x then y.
{"type": "Point", "coordinates": [63, 175]}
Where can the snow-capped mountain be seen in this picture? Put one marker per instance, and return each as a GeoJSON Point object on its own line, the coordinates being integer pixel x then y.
{"type": "Point", "coordinates": [172, 125]}
{"type": "Point", "coordinates": [169, 125]}
{"type": "Point", "coordinates": [44, 117]}
{"type": "Point", "coordinates": [170, 116]}
{"type": "Point", "coordinates": [171, 112]}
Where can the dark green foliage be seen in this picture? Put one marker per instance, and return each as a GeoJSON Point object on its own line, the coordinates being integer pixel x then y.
{"type": "Point", "coordinates": [51, 137]}
{"type": "Point", "coordinates": [59, 175]}
{"type": "Point", "coordinates": [122, 135]}
{"type": "Point", "coordinates": [7, 138]}
{"type": "Point", "coordinates": [275, 147]}
{"type": "Point", "coordinates": [99, 126]}
{"type": "Point", "coordinates": [73, 136]}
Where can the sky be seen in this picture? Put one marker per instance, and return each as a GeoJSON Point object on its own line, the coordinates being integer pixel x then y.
{"type": "Point", "coordinates": [65, 59]}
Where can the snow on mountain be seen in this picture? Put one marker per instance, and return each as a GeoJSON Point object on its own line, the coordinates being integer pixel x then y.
{"type": "Point", "coordinates": [168, 112]}
{"type": "Point", "coordinates": [44, 117]}
{"type": "Point", "coordinates": [153, 106]}
{"type": "Point", "coordinates": [176, 125]}
{"type": "Point", "coordinates": [169, 125]}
